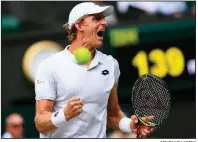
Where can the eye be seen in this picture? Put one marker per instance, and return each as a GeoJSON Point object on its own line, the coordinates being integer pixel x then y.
{"type": "Point", "coordinates": [98, 17]}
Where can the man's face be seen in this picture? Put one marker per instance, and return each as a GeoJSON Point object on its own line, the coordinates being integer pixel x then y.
{"type": "Point", "coordinates": [15, 127]}
{"type": "Point", "coordinates": [93, 27]}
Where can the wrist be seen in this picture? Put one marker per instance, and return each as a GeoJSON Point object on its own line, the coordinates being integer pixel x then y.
{"type": "Point", "coordinates": [65, 114]}
{"type": "Point", "coordinates": [58, 118]}
{"type": "Point", "coordinates": [124, 125]}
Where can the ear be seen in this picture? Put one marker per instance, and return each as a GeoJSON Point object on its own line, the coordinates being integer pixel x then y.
{"type": "Point", "coordinates": [79, 26]}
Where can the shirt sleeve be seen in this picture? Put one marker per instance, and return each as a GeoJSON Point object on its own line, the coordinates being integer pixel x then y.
{"type": "Point", "coordinates": [116, 71]}
{"type": "Point", "coordinates": [45, 83]}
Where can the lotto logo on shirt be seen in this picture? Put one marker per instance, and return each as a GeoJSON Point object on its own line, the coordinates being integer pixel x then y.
{"type": "Point", "coordinates": [105, 72]}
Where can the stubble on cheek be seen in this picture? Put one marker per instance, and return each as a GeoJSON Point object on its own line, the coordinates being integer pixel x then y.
{"type": "Point", "coordinates": [89, 38]}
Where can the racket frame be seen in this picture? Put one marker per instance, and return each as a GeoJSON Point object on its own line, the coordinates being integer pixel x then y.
{"type": "Point", "coordinates": [140, 120]}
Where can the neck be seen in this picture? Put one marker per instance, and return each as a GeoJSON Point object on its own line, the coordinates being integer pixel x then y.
{"type": "Point", "coordinates": [76, 44]}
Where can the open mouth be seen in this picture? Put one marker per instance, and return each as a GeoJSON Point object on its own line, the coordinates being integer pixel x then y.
{"type": "Point", "coordinates": [100, 33]}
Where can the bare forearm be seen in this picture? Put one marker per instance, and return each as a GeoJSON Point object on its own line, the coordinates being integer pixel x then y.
{"type": "Point", "coordinates": [43, 122]}
{"type": "Point", "coordinates": [114, 119]}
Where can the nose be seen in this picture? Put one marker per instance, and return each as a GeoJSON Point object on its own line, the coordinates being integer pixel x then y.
{"type": "Point", "coordinates": [103, 22]}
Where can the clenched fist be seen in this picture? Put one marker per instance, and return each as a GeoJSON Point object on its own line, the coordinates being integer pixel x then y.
{"type": "Point", "coordinates": [73, 108]}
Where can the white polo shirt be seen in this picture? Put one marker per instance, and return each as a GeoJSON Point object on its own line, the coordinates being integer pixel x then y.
{"type": "Point", "coordinates": [60, 78]}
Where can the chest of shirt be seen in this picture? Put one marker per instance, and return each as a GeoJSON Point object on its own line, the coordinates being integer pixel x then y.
{"type": "Point", "coordinates": [93, 85]}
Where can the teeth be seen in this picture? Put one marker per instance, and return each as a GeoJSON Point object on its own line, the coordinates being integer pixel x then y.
{"type": "Point", "coordinates": [101, 30]}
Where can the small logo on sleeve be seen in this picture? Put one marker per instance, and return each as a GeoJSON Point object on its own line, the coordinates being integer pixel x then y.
{"type": "Point", "coordinates": [105, 72]}
{"type": "Point", "coordinates": [38, 81]}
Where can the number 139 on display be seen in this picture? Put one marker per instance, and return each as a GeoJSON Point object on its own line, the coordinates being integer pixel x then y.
{"type": "Point", "coordinates": [170, 62]}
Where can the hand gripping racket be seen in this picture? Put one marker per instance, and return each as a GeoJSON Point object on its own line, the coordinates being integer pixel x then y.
{"type": "Point", "coordinates": [151, 97]}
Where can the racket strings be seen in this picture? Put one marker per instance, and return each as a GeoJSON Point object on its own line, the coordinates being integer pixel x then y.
{"type": "Point", "coordinates": [151, 98]}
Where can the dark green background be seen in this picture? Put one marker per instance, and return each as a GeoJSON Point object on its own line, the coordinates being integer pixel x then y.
{"type": "Point", "coordinates": [18, 92]}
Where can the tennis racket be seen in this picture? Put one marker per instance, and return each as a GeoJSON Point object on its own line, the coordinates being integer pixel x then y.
{"type": "Point", "coordinates": [151, 97]}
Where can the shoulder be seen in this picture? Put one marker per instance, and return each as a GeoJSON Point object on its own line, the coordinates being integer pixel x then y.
{"type": "Point", "coordinates": [6, 135]}
{"type": "Point", "coordinates": [52, 60]}
{"type": "Point", "coordinates": [107, 58]}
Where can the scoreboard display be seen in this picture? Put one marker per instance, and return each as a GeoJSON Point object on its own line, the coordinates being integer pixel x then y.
{"type": "Point", "coordinates": [168, 53]}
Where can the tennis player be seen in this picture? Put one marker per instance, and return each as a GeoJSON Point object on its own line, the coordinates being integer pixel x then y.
{"type": "Point", "coordinates": [80, 101]}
